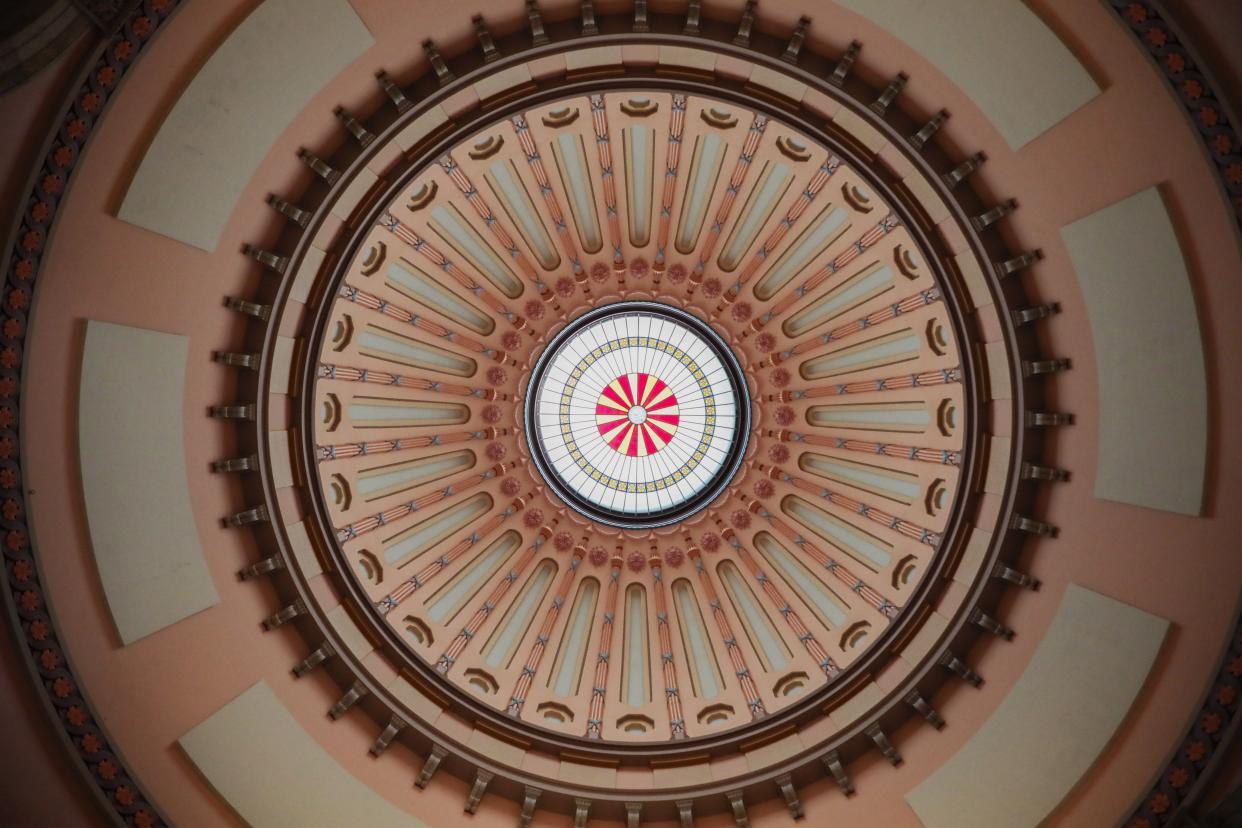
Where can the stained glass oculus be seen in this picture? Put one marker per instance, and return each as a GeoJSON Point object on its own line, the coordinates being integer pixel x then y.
{"type": "Point", "coordinates": [637, 414]}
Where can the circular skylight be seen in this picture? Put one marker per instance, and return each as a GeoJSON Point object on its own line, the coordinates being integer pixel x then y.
{"type": "Point", "coordinates": [637, 415]}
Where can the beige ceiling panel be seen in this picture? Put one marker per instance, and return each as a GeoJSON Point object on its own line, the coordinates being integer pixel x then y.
{"type": "Point", "coordinates": [253, 746]}
{"type": "Point", "coordinates": [421, 127]}
{"type": "Point", "coordinates": [1006, 60]}
{"type": "Point", "coordinates": [1053, 724]}
{"type": "Point", "coordinates": [778, 82]}
{"type": "Point", "coordinates": [132, 450]}
{"type": "Point", "coordinates": [1153, 426]}
{"type": "Point", "coordinates": [972, 272]}
{"type": "Point", "coordinates": [225, 122]}
{"type": "Point", "coordinates": [593, 58]}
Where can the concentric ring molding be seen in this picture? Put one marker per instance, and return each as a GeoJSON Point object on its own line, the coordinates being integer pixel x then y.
{"type": "Point", "coordinates": [313, 348]}
{"type": "Point", "coordinates": [1146, 19]}
{"type": "Point", "coordinates": [980, 552]}
{"type": "Point", "coordinates": [1150, 21]}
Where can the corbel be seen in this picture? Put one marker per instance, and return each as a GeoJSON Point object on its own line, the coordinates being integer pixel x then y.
{"type": "Point", "coordinates": [878, 736]}
{"type": "Point", "coordinates": [430, 765]}
{"type": "Point", "coordinates": [482, 779]}
{"type": "Point", "coordinates": [351, 697]}
{"type": "Point", "coordinates": [395, 725]}
{"type": "Point", "coordinates": [324, 652]}
{"type": "Point", "coordinates": [794, 48]}
{"type": "Point", "coordinates": [284, 615]}
{"type": "Point", "coordinates": [960, 669]}
{"type": "Point", "coordinates": [915, 700]}
{"type": "Point", "coordinates": [790, 793]}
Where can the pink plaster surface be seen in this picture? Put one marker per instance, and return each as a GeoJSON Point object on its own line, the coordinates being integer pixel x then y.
{"type": "Point", "coordinates": [1131, 137]}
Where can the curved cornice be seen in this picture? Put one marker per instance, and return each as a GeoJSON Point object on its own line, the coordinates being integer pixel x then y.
{"type": "Point", "coordinates": [1177, 787]}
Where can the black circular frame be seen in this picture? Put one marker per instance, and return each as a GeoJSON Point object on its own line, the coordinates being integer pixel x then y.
{"type": "Point", "coordinates": [723, 477]}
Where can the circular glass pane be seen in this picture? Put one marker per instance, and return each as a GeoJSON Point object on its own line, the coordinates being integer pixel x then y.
{"type": "Point", "coordinates": [637, 415]}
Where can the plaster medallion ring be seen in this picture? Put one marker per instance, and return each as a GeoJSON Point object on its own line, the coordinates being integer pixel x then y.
{"type": "Point", "coordinates": [637, 415]}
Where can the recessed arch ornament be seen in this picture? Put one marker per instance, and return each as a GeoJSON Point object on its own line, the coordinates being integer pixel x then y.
{"type": "Point", "coordinates": [452, 380]}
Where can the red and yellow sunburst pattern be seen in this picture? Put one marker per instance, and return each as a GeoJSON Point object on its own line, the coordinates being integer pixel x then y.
{"type": "Point", "coordinates": [637, 414]}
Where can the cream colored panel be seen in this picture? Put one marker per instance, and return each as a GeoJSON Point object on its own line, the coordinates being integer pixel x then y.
{"type": "Point", "coordinates": [132, 450]}
{"type": "Point", "coordinates": [972, 275]}
{"type": "Point", "coordinates": [421, 127]}
{"type": "Point", "coordinates": [778, 82]}
{"type": "Point", "coordinates": [300, 543]}
{"type": "Point", "coordinates": [1054, 723]}
{"type": "Point", "coordinates": [354, 193]}
{"type": "Point", "coordinates": [253, 746]}
{"type": "Point", "coordinates": [863, 132]}
{"type": "Point", "coordinates": [282, 364]}
{"type": "Point", "coordinates": [1014, 68]}
{"type": "Point", "coordinates": [689, 58]}
{"type": "Point", "coordinates": [352, 636]}
{"type": "Point", "coordinates": [234, 109]}
{"type": "Point", "coordinates": [300, 290]}
{"type": "Point", "coordinates": [493, 83]}
{"type": "Point", "coordinates": [930, 201]}
{"type": "Point", "coordinates": [1153, 437]}
{"type": "Point", "coordinates": [281, 462]}
{"type": "Point", "coordinates": [593, 58]}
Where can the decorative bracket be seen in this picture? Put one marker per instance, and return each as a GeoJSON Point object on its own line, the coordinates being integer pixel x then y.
{"type": "Point", "coordinates": [881, 741]}
{"type": "Point", "coordinates": [738, 807]}
{"type": "Point", "coordinates": [845, 64]}
{"type": "Point", "coordinates": [429, 766]}
{"type": "Point", "coordinates": [530, 797]}
{"type": "Point", "coordinates": [832, 761]}
{"type": "Point", "coordinates": [796, 40]}
{"type": "Point", "coordinates": [394, 92]}
{"type": "Point", "coordinates": [482, 779]}
{"type": "Point", "coordinates": [915, 700]}
{"type": "Point", "coordinates": [742, 38]}
{"type": "Point", "coordinates": [486, 42]}
{"type": "Point", "coordinates": [395, 725]}
{"type": "Point", "coordinates": [268, 565]}
{"type": "Point", "coordinates": [960, 669]}
{"type": "Point", "coordinates": [285, 615]}
{"type": "Point", "coordinates": [443, 74]}
{"type": "Point", "coordinates": [319, 656]}
{"type": "Point", "coordinates": [351, 697]}
{"type": "Point", "coordinates": [790, 793]}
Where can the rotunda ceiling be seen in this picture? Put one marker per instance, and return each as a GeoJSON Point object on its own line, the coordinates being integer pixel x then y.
{"type": "Point", "coordinates": [594, 380]}
{"type": "Point", "coordinates": [635, 415]}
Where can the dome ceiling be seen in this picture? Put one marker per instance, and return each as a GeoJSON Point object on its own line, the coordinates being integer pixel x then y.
{"type": "Point", "coordinates": [638, 416]}
{"type": "Point", "coordinates": [536, 446]}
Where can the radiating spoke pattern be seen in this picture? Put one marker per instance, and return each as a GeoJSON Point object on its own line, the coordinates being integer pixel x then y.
{"type": "Point", "coordinates": [637, 414]}
{"type": "Point", "coordinates": [627, 468]}
{"type": "Point", "coordinates": [635, 411]}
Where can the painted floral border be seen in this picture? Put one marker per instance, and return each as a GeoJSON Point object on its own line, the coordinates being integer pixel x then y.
{"type": "Point", "coordinates": [25, 594]}
{"type": "Point", "coordinates": [1158, 35]}
{"type": "Point", "coordinates": [1189, 82]}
